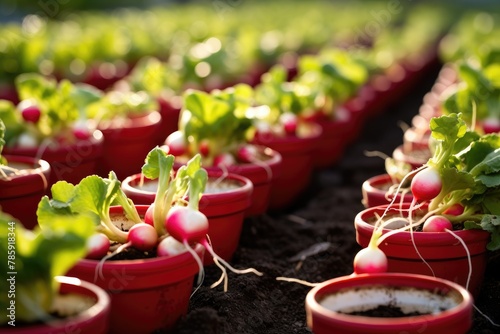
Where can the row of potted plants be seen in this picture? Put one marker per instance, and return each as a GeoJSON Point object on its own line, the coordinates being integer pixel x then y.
{"type": "Point", "coordinates": [71, 200]}
{"type": "Point", "coordinates": [435, 215]}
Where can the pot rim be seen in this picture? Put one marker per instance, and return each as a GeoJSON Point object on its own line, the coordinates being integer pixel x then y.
{"type": "Point", "coordinates": [422, 238]}
{"type": "Point", "coordinates": [463, 308]}
{"type": "Point", "coordinates": [29, 181]}
{"type": "Point", "coordinates": [370, 185]}
{"type": "Point", "coordinates": [245, 186]}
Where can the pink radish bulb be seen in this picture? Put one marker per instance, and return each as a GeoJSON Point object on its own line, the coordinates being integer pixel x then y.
{"type": "Point", "coordinates": [186, 224]}
{"type": "Point", "coordinates": [289, 122]}
{"type": "Point", "coordinates": [27, 140]}
{"type": "Point", "coordinates": [143, 237]}
{"type": "Point", "coordinates": [426, 184]}
{"type": "Point", "coordinates": [437, 224]}
{"type": "Point", "coordinates": [31, 113]}
{"type": "Point", "coordinates": [97, 246]}
{"type": "Point", "coordinates": [204, 148]}
{"type": "Point", "coordinates": [81, 130]}
{"type": "Point", "coordinates": [224, 159]}
{"type": "Point", "coordinates": [455, 210]}
{"type": "Point", "coordinates": [170, 247]}
{"type": "Point", "coordinates": [370, 260]}
{"type": "Point", "coordinates": [247, 154]}
{"type": "Point", "coordinates": [176, 143]}
{"type": "Point", "coordinates": [491, 125]}
{"type": "Point", "coordinates": [149, 215]}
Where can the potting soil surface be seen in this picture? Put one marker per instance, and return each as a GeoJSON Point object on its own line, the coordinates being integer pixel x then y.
{"type": "Point", "coordinates": [314, 240]}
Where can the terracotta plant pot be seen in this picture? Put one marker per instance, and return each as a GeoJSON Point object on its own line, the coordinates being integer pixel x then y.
{"type": "Point", "coordinates": [94, 320]}
{"type": "Point", "coordinates": [263, 175]}
{"type": "Point", "coordinates": [298, 164]}
{"type": "Point", "coordinates": [70, 163]}
{"type": "Point", "coordinates": [375, 192]}
{"type": "Point", "coordinates": [127, 143]}
{"type": "Point", "coordinates": [440, 306]}
{"type": "Point", "coordinates": [224, 207]}
{"type": "Point", "coordinates": [441, 250]}
{"type": "Point", "coordinates": [21, 192]}
{"type": "Point", "coordinates": [147, 294]}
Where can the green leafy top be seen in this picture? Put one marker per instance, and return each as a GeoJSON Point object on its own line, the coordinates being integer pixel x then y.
{"type": "Point", "coordinates": [40, 255]}
{"type": "Point", "coordinates": [184, 186]}
{"type": "Point", "coordinates": [477, 96]}
{"type": "Point", "coordinates": [334, 75]}
{"type": "Point", "coordinates": [119, 105]}
{"type": "Point", "coordinates": [283, 96]}
{"type": "Point", "coordinates": [155, 77]}
{"type": "Point", "coordinates": [469, 165]}
{"type": "Point", "coordinates": [217, 118]}
{"type": "Point", "coordinates": [60, 104]}
{"type": "Point", "coordinates": [92, 197]}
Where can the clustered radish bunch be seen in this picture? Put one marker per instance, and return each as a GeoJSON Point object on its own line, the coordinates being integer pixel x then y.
{"type": "Point", "coordinates": [49, 112]}
{"type": "Point", "coordinates": [172, 224]}
{"type": "Point", "coordinates": [459, 186]}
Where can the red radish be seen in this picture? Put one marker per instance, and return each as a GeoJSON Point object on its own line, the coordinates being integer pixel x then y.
{"type": "Point", "coordinates": [176, 143]}
{"type": "Point", "coordinates": [98, 246]}
{"type": "Point", "coordinates": [188, 225]}
{"type": "Point", "coordinates": [370, 260]}
{"type": "Point", "coordinates": [149, 216]}
{"type": "Point", "coordinates": [455, 210]}
{"type": "Point", "coordinates": [204, 148]}
{"type": "Point", "coordinates": [27, 140]}
{"type": "Point", "coordinates": [491, 125]}
{"type": "Point", "coordinates": [224, 159]}
{"type": "Point", "coordinates": [437, 224]}
{"type": "Point", "coordinates": [263, 130]}
{"type": "Point", "coordinates": [31, 113]}
{"type": "Point", "coordinates": [81, 130]}
{"type": "Point", "coordinates": [247, 153]}
{"type": "Point", "coordinates": [426, 184]}
{"type": "Point", "coordinates": [289, 122]}
{"type": "Point", "coordinates": [143, 237]}
{"type": "Point", "coordinates": [169, 246]}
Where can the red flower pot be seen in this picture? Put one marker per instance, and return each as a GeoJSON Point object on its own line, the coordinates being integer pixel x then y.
{"type": "Point", "coordinates": [375, 192]}
{"type": "Point", "coordinates": [224, 208]}
{"type": "Point", "coordinates": [127, 143]}
{"type": "Point", "coordinates": [335, 136]}
{"type": "Point", "coordinates": [416, 157]}
{"type": "Point", "coordinates": [146, 295]}
{"type": "Point", "coordinates": [169, 111]}
{"type": "Point", "coordinates": [94, 320]}
{"type": "Point", "coordinates": [444, 255]}
{"type": "Point", "coordinates": [21, 193]}
{"type": "Point", "coordinates": [263, 175]}
{"type": "Point", "coordinates": [331, 304]}
{"type": "Point", "coordinates": [70, 163]}
{"type": "Point", "coordinates": [298, 164]}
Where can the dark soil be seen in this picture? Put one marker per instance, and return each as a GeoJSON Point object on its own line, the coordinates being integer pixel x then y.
{"type": "Point", "coordinates": [277, 244]}
{"type": "Point", "coordinates": [385, 312]}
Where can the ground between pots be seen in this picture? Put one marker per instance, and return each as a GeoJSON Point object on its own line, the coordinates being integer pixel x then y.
{"type": "Point", "coordinates": [313, 241]}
